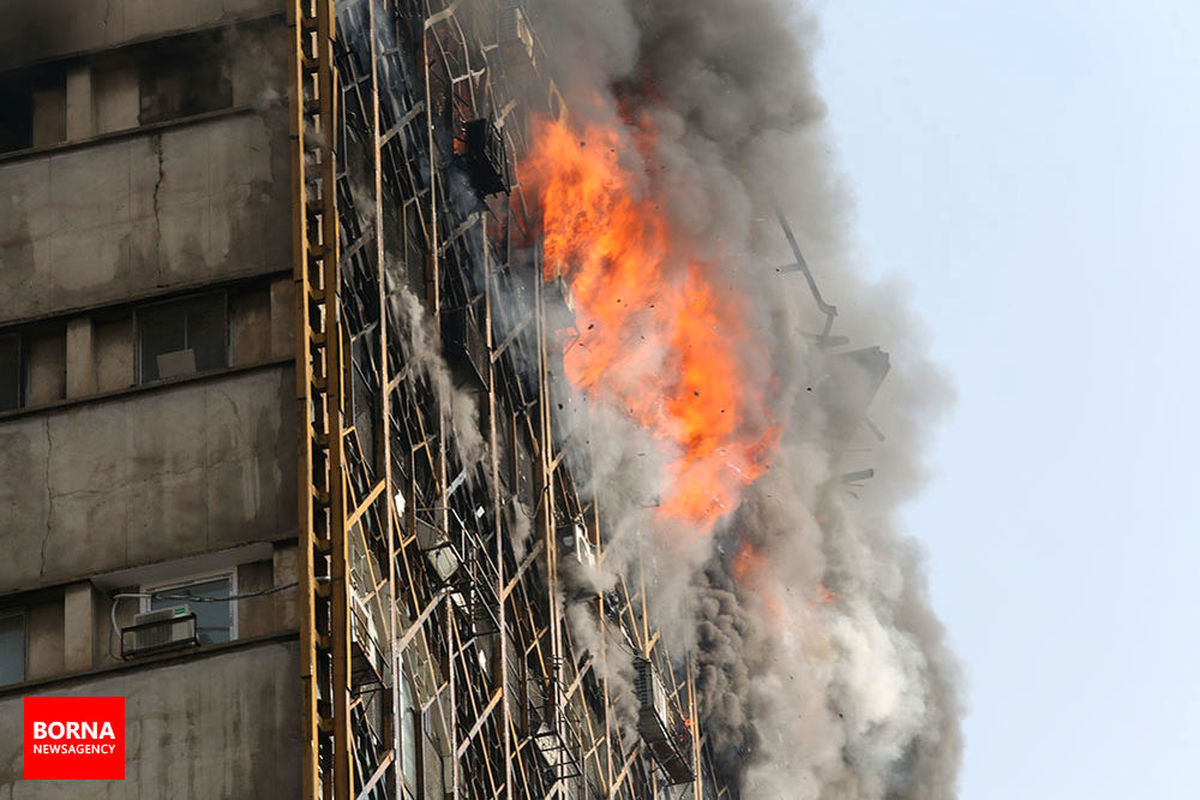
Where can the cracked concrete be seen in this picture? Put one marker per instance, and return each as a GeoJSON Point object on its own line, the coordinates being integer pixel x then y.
{"type": "Point", "coordinates": [147, 478]}
{"type": "Point", "coordinates": [157, 144]}
{"type": "Point", "coordinates": [86, 227]}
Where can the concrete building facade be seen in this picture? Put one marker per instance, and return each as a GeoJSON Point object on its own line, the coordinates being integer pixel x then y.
{"type": "Point", "coordinates": [144, 162]}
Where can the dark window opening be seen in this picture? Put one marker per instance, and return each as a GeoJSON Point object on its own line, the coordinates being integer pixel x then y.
{"type": "Point", "coordinates": [12, 648]}
{"type": "Point", "coordinates": [16, 117]}
{"type": "Point", "coordinates": [12, 373]}
{"type": "Point", "coordinates": [33, 108]}
{"type": "Point", "coordinates": [184, 77]}
{"type": "Point", "coordinates": [183, 337]}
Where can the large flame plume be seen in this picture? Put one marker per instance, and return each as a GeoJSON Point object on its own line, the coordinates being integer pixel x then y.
{"type": "Point", "coordinates": [656, 338]}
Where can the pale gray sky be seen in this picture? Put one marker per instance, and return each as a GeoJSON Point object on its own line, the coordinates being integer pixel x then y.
{"type": "Point", "coordinates": [1030, 168]}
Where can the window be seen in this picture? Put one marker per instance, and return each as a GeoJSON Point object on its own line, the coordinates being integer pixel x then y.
{"type": "Point", "coordinates": [182, 78]}
{"type": "Point", "coordinates": [16, 117]}
{"type": "Point", "coordinates": [181, 337]}
{"type": "Point", "coordinates": [216, 615]}
{"type": "Point", "coordinates": [12, 647]}
{"type": "Point", "coordinates": [33, 108]}
{"type": "Point", "coordinates": [12, 373]}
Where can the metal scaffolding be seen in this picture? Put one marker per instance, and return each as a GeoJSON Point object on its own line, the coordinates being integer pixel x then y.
{"type": "Point", "coordinates": [425, 616]}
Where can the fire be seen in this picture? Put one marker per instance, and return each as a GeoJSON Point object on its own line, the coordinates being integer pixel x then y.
{"type": "Point", "coordinates": [656, 338]}
{"type": "Point", "coordinates": [749, 568]}
{"type": "Point", "coordinates": [747, 563]}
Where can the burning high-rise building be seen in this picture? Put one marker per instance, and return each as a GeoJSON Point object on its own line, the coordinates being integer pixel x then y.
{"type": "Point", "coordinates": [431, 399]}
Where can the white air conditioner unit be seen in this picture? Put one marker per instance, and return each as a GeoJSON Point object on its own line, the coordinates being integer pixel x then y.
{"type": "Point", "coordinates": [163, 629]}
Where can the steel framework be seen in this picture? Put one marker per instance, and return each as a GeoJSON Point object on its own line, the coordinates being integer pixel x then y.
{"type": "Point", "coordinates": [435, 658]}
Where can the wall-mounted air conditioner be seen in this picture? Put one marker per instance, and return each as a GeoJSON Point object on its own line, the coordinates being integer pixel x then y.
{"type": "Point", "coordinates": [161, 630]}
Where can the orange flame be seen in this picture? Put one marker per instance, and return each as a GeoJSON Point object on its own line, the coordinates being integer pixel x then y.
{"type": "Point", "coordinates": [657, 338]}
{"type": "Point", "coordinates": [747, 563]}
{"type": "Point", "coordinates": [749, 568]}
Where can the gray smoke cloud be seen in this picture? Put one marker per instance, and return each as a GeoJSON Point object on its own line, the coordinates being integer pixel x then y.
{"type": "Point", "coordinates": [823, 672]}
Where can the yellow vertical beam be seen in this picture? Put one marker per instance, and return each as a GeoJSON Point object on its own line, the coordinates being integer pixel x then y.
{"type": "Point", "coordinates": [298, 72]}
{"type": "Point", "coordinates": [324, 608]}
{"type": "Point", "coordinates": [498, 513]}
{"type": "Point", "coordinates": [339, 556]}
{"type": "Point", "coordinates": [384, 441]}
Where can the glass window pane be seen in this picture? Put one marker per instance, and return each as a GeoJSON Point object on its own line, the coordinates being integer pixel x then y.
{"type": "Point", "coordinates": [183, 337]}
{"type": "Point", "coordinates": [206, 332]}
{"type": "Point", "coordinates": [213, 620]}
{"type": "Point", "coordinates": [10, 373]}
{"type": "Point", "coordinates": [12, 649]}
{"type": "Point", "coordinates": [185, 77]}
{"type": "Point", "coordinates": [160, 330]}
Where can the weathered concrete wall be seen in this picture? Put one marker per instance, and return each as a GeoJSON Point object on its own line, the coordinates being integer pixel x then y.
{"type": "Point", "coordinates": [145, 478]}
{"type": "Point", "coordinates": [42, 29]}
{"type": "Point", "coordinates": [186, 205]}
{"type": "Point", "coordinates": [224, 726]}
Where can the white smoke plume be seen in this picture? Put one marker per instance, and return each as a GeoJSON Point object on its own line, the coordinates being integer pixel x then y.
{"type": "Point", "coordinates": [423, 349]}
{"type": "Point", "coordinates": [823, 673]}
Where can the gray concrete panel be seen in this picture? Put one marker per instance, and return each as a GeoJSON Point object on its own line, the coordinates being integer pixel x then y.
{"type": "Point", "coordinates": [129, 217]}
{"type": "Point", "coordinates": [43, 29]}
{"type": "Point", "coordinates": [225, 726]}
{"type": "Point", "coordinates": [144, 478]}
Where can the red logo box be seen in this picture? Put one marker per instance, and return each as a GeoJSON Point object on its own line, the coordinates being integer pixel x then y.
{"type": "Point", "coordinates": [74, 738]}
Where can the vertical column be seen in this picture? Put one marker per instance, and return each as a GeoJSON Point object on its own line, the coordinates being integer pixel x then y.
{"type": "Point", "coordinates": [384, 443]}
{"type": "Point", "coordinates": [300, 70]}
{"type": "Point", "coordinates": [78, 627]}
{"type": "Point", "coordinates": [81, 117]}
{"type": "Point", "coordinates": [498, 512]}
{"type": "Point", "coordinates": [324, 606]}
{"type": "Point", "coordinates": [81, 358]}
{"type": "Point", "coordinates": [339, 546]}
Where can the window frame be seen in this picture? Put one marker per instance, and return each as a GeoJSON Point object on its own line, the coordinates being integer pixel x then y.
{"type": "Point", "coordinates": [23, 615]}
{"type": "Point", "coordinates": [177, 57]}
{"type": "Point", "coordinates": [226, 332]}
{"type": "Point", "coordinates": [22, 369]}
{"type": "Point", "coordinates": [184, 582]}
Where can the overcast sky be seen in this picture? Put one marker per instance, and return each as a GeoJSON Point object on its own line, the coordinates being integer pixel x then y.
{"type": "Point", "coordinates": [1030, 168]}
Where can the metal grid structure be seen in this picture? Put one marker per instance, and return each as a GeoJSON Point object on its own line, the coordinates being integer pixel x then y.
{"type": "Point", "coordinates": [422, 609]}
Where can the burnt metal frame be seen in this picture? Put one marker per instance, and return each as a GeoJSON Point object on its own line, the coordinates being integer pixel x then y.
{"type": "Point", "coordinates": [380, 89]}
